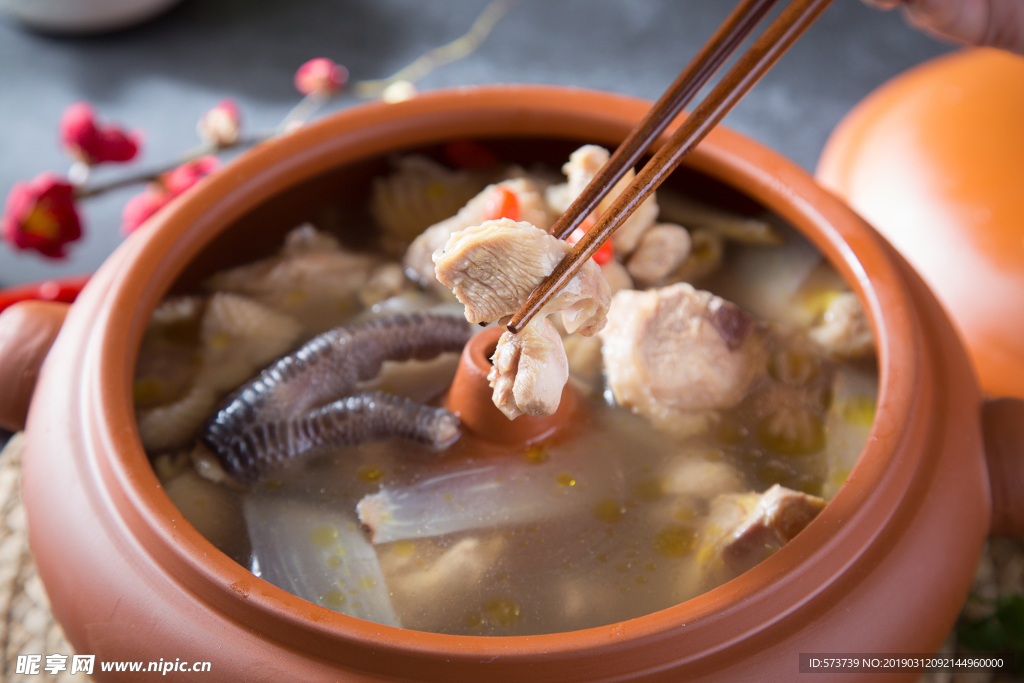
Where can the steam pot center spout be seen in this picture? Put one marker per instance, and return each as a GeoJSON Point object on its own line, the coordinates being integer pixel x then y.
{"type": "Point", "coordinates": [470, 397]}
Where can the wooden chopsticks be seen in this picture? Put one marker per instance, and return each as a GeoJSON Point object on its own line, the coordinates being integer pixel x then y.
{"type": "Point", "coordinates": [736, 27]}
{"type": "Point", "coordinates": [749, 69]}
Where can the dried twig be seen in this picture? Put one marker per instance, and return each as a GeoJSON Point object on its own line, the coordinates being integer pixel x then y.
{"type": "Point", "coordinates": [446, 54]}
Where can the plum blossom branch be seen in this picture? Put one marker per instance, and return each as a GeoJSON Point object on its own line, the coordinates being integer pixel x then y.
{"type": "Point", "coordinates": [42, 215]}
{"type": "Point", "coordinates": [154, 174]}
{"type": "Point", "coordinates": [459, 48]}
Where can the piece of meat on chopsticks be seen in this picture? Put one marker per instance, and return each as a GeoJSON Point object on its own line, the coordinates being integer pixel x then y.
{"type": "Point", "coordinates": [492, 268]}
{"type": "Point", "coordinates": [524, 194]}
{"type": "Point", "coordinates": [530, 369]}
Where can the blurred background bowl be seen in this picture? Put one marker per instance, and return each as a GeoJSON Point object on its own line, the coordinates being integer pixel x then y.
{"type": "Point", "coordinates": [83, 16]}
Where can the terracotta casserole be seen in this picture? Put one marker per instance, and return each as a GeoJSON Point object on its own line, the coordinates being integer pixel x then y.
{"type": "Point", "coordinates": [884, 568]}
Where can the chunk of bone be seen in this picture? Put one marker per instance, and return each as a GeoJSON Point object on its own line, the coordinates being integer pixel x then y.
{"type": "Point", "coordinates": [743, 529]}
{"type": "Point", "coordinates": [661, 250]}
{"type": "Point", "coordinates": [418, 259]}
{"type": "Point", "coordinates": [676, 355]}
{"type": "Point", "coordinates": [314, 280]}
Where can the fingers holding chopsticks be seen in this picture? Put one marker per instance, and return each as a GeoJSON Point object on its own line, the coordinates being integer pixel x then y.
{"type": "Point", "coordinates": [984, 23]}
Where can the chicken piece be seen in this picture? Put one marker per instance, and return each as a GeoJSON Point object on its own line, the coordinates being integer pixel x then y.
{"type": "Point", "coordinates": [385, 281]}
{"type": "Point", "coordinates": [492, 269]}
{"type": "Point", "coordinates": [314, 280]}
{"type": "Point", "coordinates": [677, 355]}
{"type": "Point", "coordinates": [581, 168]}
{"type": "Point", "coordinates": [744, 529]}
{"type": "Point", "coordinates": [845, 331]}
{"type": "Point", "coordinates": [426, 582]}
{"type": "Point", "coordinates": [529, 371]}
{"type": "Point", "coordinates": [661, 250]}
{"type": "Point", "coordinates": [584, 356]}
{"type": "Point", "coordinates": [306, 239]}
{"type": "Point", "coordinates": [236, 336]}
{"type": "Point", "coordinates": [213, 510]}
{"type": "Point", "coordinates": [682, 489]}
{"type": "Point", "coordinates": [169, 358]}
{"type": "Point", "coordinates": [706, 251]}
{"type": "Point", "coordinates": [694, 476]}
{"type": "Point", "coordinates": [178, 423]}
{"type": "Point", "coordinates": [531, 208]}
{"type": "Point", "coordinates": [617, 276]}
{"type": "Point", "coordinates": [239, 336]}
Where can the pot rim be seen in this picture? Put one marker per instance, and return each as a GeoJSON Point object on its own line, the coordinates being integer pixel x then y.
{"type": "Point", "coordinates": [758, 599]}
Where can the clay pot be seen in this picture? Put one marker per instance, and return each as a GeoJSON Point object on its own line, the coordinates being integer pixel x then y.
{"type": "Point", "coordinates": [933, 160]}
{"type": "Point", "coordinates": [884, 568]}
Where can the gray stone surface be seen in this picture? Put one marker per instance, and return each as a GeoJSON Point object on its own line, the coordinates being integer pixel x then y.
{"type": "Point", "coordinates": [160, 77]}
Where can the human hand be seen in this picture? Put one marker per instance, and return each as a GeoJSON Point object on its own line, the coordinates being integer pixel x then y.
{"type": "Point", "coordinates": [991, 23]}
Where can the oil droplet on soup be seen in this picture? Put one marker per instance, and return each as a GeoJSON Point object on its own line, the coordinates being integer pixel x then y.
{"type": "Point", "coordinates": [502, 612]}
{"type": "Point", "coordinates": [371, 474]}
{"type": "Point", "coordinates": [536, 455]}
{"type": "Point", "coordinates": [608, 511]}
{"type": "Point", "coordinates": [649, 490]}
{"type": "Point", "coordinates": [675, 540]}
{"type": "Point", "coordinates": [403, 548]}
{"type": "Point", "coordinates": [334, 598]}
{"type": "Point", "coordinates": [324, 536]}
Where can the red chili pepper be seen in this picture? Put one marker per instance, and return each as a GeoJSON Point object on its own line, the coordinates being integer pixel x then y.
{"type": "Point", "coordinates": [605, 253]}
{"type": "Point", "coordinates": [502, 203]}
{"type": "Point", "coordinates": [59, 289]}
